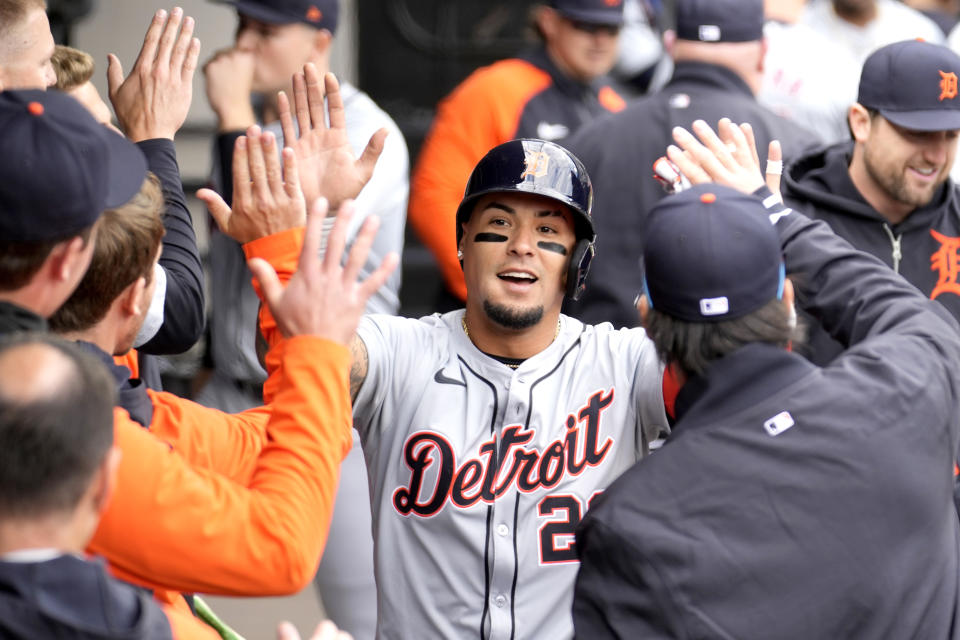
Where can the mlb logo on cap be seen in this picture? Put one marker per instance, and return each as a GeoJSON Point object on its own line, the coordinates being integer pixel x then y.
{"type": "Point", "coordinates": [720, 20]}
{"type": "Point", "coordinates": [714, 306]}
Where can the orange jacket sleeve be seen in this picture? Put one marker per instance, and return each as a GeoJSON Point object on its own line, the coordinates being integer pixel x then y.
{"type": "Point", "coordinates": [228, 443]}
{"type": "Point", "coordinates": [282, 251]}
{"type": "Point", "coordinates": [174, 525]}
{"type": "Point", "coordinates": [482, 112]}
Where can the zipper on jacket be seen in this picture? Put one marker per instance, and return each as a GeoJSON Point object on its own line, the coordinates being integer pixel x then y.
{"type": "Point", "coordinates": [895, 244]}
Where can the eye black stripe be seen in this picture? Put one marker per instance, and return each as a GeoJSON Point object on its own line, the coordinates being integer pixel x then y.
{"type": "Point", "coordinates": [553, 246]}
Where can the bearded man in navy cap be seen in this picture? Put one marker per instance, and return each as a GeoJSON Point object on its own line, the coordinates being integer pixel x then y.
{"type": "Point", "coordinates": [790, 501]}
{"type": "Point", "coordinates": [887, 191]}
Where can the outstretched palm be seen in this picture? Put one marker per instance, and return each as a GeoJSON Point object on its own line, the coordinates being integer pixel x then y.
{"type": "Point", "coordinates": [328, 166]}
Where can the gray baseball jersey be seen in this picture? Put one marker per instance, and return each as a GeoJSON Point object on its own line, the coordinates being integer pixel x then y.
{"type": "Point", "coordinates": [480, 473]}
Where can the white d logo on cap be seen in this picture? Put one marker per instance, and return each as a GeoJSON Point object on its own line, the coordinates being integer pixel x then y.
{"type": "Point", "coordinates": [714, 306]}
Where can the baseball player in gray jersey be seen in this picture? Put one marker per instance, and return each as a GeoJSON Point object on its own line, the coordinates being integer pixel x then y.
{"type": "Point", "coordinates": [489, 430]}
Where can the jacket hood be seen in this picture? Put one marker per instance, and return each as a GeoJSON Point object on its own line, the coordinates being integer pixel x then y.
{"type": "Point", "coordinates": [821, 179]}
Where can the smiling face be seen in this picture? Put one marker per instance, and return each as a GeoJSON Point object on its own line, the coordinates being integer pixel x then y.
{"type": "Point", "coordinates": [898, 170]}
{"type": "Point", "coordinates": [516, 248]}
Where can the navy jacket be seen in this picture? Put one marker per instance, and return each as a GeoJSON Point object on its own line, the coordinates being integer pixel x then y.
{"type": "Point", "coordinates": [183, 308]}
{"type": "Point", "coordinates": [792, 501]}
{"type": "Point", "coordinates": [923, 248]}
{"type": "Point", "coordinates": [14, 318]}
{"type": "Point", "coordinates": [69, 598]}
{"type": "Point", "coordinates": [619, 150]}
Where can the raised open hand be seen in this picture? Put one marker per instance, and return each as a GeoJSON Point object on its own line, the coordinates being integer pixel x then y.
{"type": "Point", "coordinates": [153, 101]}
{"type": "Point", "coordinates": [729, 158]}
{"type": "Point", "coordinates": [323, 297]}
{"type": "Point", "coordinates": [328, 167]}
{"type": "Point", "coordinates": [265, 200]}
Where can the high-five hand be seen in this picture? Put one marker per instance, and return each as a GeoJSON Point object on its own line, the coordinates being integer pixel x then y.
{"type": "Point", "coordinates": [323, 297]}
{"type": "Point", "coordinates": [153, 101]}
{"type": "Point", "coordinates": [730, 159]}
{"type": "Point", "coordinates": [328, 167]}
{"type": "Point", "coordinates": [265, 200]}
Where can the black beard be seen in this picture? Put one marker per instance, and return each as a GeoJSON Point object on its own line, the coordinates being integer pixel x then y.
{"type": "Point", "coordinates": [510, 318]}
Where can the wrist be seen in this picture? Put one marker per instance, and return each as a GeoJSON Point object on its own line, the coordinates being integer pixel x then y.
{"type": "Point", "coordinates": [235, 119]}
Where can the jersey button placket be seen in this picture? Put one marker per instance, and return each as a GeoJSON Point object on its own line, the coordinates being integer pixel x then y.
{"type": "Point", "coordinates": [502, 571]}
{"type": "Point", "coordinates": [504, 508]}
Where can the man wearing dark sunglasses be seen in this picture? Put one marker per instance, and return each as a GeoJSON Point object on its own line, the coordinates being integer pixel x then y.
{"type": "Point", "coordinates": [547, 92]}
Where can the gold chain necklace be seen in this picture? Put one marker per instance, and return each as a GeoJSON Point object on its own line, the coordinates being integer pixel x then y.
{"type": "Point", "coordinates": [463, 323]}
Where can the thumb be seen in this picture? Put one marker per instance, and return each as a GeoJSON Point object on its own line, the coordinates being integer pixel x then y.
{"type": "Point", "coordinates": [368, 160]}
{"type": "Point", "coordinates": [269, 283]}
{"type": "Point", "coordinates": [774, 154]}
{"type": "Point", "coordinates": [114, 74]}
{"type": "Point", "coordinates": [217, 207]}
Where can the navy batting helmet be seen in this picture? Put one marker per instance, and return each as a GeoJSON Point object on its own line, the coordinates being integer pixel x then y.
{"type": "Point", "coordinates": [545, 169]}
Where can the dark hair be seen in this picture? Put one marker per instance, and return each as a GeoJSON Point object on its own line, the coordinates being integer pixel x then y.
{"type": "Point", "coordinates": [52, 438]}
{"type": "Point", "coordinates": [127, 243]}
{"type": "Point", "coordinates": [694, 345]}
{"type": "Point", "coordinates": [20, 261]}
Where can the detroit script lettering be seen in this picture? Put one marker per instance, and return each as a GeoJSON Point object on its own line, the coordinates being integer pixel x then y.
{"type": "Point", "coordinates": [501, 462]}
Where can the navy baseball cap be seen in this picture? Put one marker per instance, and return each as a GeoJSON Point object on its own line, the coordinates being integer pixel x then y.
{"type": "Point", "coordinates": [607, 12]}
{"type": "Point", "coordinates": [711, 254]}
{"type": "Point", "coordinates": [913, 84]}
{"type": "Point", "coordinates": [321, 14]}
{"type": "Point", "coordinates": [59, 168]}
{"type": "Point", "coordinates": [720, 20]}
